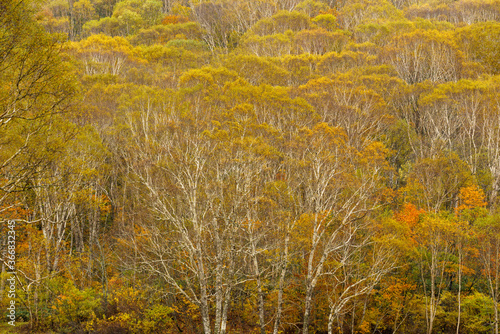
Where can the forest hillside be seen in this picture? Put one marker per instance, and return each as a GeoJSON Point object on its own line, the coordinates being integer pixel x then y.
{"type": "Point", "coordinates": [250, 166]}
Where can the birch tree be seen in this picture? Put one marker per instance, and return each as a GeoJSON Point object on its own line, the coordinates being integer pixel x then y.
{"type": "Point", "coordinates": [336, 195]}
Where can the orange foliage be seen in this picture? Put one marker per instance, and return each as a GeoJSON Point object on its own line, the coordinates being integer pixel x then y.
{"type": "Point", "coordinates": [409, 214]}
{"type": "Point", "coordinates": [471, 197]}
{"type": "Point", "coordinates": [13, 211]}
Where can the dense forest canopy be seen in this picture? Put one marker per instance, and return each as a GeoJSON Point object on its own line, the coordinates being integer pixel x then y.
{"type": "Point", "coordinates": [251, 166]}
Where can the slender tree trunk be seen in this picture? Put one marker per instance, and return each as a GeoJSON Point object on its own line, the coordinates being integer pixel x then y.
{"type": "Point", "coordinates": [71, 21]}
{"type": "Point", "coordinates": [204, 308]}
{"type": "Point", "coordinates": [279, 307]}
{"type": "Point", "coordinates": [205, 312]}
{"type": "Point", "coordinates": [459, 289]}
{"type": "Point", "coordinates": [495, 295]}
{"type": "Point", "coordinates": [225, 308]}
{"type": "Point", "coordinates": [227, 293]}
{"type": "Point", "coordinates": [310, 284]}
{"type": "Point", "coordinates": [219, 292]}
{"type": "Point", "coordinates": [262, 319]}
{"type": "Point", "coordinates": [496, 317]}
{"type": "Point", "coordinates": [487, 259]}
{"type": "Point", "coordinates": [427, 304]}
{"type": "Point", "coordinates": [331, 317]}
{"type": "Point", "coordinates": [353, 317]}
{"type": "Point", "coordinates": [312, 275]}
{"type": "Point", "coordinates": [495, 292]}
{"type": "Point", "coordinates": [219, 298]}
{"type": "Point", "coordinates": [432, 305]}
{"type": "Point", "coordinates": [307, 309]}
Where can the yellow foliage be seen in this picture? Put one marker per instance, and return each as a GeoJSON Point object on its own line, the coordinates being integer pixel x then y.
{"type": "Point", "coordinates": [471, 197]}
